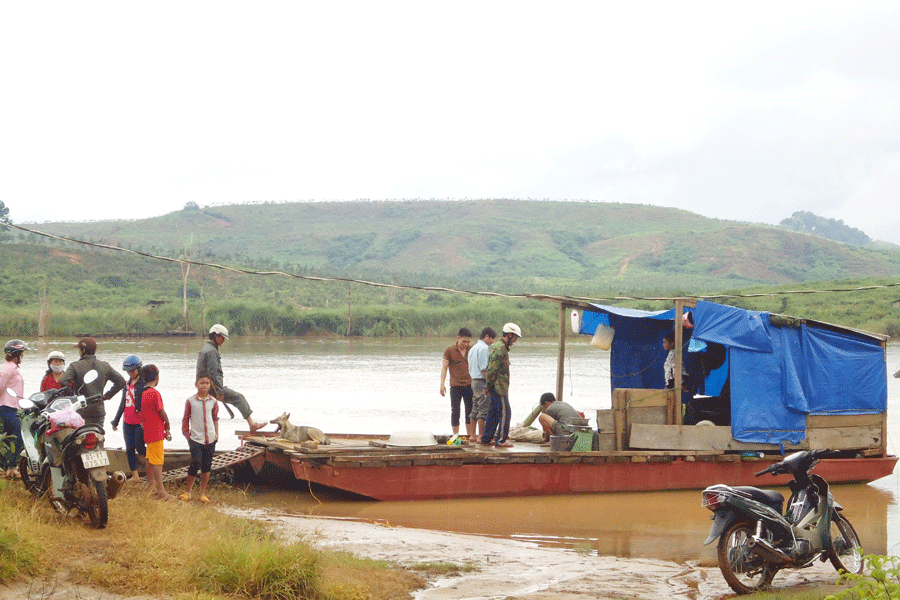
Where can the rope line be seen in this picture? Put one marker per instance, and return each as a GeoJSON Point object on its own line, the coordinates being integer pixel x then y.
{"type": "Point", "coordinates": [554, 298]}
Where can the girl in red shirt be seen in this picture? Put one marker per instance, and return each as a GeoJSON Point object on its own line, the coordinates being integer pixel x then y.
{"type": "Point", "coordinates": [156, 429]}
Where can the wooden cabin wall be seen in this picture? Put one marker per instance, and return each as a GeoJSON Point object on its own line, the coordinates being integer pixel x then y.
{"type": "Point", "coordinates": [848, 432]}
{"type": "Point", "coordinates": [643, 419]}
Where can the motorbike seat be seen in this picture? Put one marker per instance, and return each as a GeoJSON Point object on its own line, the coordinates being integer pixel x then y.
{"type": "Point", "coordinates": [768, 497]}
{"type": "Point", "coordinates": [83, 429]}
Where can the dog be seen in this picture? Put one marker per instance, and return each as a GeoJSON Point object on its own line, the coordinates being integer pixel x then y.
{"type": "Point", "coordinates": [298, 434]}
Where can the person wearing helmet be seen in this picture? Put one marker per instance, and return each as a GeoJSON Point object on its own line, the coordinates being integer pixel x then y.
{"type": "Point", "coordinates": [74, 378]}
{"type": "Point", "coordinates": [209, 364]}
{"type": "Point", "coordinates": [11, 378]}
{"type": "Point", "coordinates": [130, 412]}
{"type": "Point", "coordinates": [56, 366]}
{"type": "Point", "coordinates": [496, 427]}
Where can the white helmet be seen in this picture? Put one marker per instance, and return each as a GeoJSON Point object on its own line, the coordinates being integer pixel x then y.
{"type": "Point", "coordinates": [219, 330]}
{"type": "Point", "coordinates": [512, 328]}
{"type": "Point", "coordinates": [56, 354]}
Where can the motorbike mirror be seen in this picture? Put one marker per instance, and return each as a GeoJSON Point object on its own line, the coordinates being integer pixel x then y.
{"type": "Point", "coordinates": [13, 393]}
{"type": "Point", "coordinates": [91, 376]}
{"type": "Point", "coordinates": [25, 403]}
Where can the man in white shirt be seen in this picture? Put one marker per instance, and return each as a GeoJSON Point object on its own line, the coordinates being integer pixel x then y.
{"type": "Point", "coordinates": [478, 360]}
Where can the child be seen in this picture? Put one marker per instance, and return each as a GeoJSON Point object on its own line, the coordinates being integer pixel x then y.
{"type": "Point", "coordinates": [130, 413]}
{"type": "Point", "coordinates": [156, 429]}
{"type": "Point", "coordinates": [200, 426]}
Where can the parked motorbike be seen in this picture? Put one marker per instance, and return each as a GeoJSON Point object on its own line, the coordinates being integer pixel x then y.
{"type": "Point", "coordinates": [756, 540]}
{"type": "Point", "coordinates": [63, 458]}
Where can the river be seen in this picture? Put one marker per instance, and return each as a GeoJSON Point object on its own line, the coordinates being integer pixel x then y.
{"type": "Point", "coordinates": [386, 385]}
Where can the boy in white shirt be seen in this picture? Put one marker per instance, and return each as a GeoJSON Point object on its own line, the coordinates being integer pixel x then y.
{"type": "Point", "coordinates": [200, 426]}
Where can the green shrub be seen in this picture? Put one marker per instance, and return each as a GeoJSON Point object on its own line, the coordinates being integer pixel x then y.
{"type": "Point", "coordinates": [262, 568]}
{"type": "Point", "coordinates": [882, 583]}
{"type": "Point", "coordinates": [16, 557]}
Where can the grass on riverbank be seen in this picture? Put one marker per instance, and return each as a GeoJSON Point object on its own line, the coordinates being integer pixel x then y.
{"type": "Point", "coordinates": [166, 548]}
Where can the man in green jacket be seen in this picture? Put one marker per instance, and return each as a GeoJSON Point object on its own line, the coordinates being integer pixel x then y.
{"type": "Point", "coordinates": [74, 378]}
{"type": "Point", "coordinates": [497, 377]}
{"type": "Point", "coordinates": [209, 364]}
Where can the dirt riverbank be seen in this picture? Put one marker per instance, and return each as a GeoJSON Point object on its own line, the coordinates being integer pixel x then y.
{"type": "Point", "coordinates": [510, 569]}
{"type": "Point", "coordinates": [504, 568]}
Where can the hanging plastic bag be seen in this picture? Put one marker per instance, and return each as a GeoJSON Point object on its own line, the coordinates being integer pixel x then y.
{"type": "Point", "coordinates": [603, 337]}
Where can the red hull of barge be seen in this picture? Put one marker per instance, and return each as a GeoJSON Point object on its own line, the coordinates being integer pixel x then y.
{"type": "Point", "coordinates": [431, 482]}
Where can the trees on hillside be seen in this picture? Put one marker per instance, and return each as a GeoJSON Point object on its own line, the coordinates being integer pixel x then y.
{"type": "Point", "coordinates": [4, 217]}
{"type": "Point", "coordinates": [831, 229]}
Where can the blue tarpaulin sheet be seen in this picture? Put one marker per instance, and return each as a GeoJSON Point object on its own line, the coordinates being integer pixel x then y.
{"type": "Point", "coordinates": [777, 374]}
{"type": "Point", "coordinates": [636, 355]}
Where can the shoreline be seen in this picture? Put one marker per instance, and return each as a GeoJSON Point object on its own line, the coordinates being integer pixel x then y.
{"type": "Point", "coordinates": [504, 568]}
{"type": "Point", "coordinates": [514, 569]}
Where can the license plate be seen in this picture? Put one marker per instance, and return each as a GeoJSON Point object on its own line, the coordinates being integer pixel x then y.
{"type": "Point", "coordinates": [94, 459]}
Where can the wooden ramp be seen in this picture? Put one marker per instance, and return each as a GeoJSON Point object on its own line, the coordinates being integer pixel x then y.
{"type": "Point", "coordinates": [219, 462]}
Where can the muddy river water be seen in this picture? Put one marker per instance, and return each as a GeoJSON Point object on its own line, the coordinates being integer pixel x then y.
{"type": "Point", "coordinates": [381, 386]}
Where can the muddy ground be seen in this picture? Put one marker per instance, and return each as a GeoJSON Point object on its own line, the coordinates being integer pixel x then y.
{"type": "Point", "coordinates": [506, 569]}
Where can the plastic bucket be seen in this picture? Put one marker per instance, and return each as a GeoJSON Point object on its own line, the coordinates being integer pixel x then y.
{"type": "Point", "coordinates": [562, 443]}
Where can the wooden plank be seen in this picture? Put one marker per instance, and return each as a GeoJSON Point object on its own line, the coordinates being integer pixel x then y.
{"type": "Point", "coordinates": [606, 422]}
{"type": "Point", "coordinates": [845, 438]}
{"type": "Point", "coordinates": [658, 415]}
{"type": "Point", "coordinates": [692, 437]}
{"type": "Point", "coordinates": [820, 421]}
{"type": "Point", "coordinates": [729, 458]}
{"type": "Point", "coordinates": [870, 452]}
{"type": "Point", "coordinates": [620, 429]}
{"type": "Point", "coordinates": [635, 397]}
{"type": "Point", "coordinates": [561, 355]}
{"type": "Point", "coordinates": [607, 442]}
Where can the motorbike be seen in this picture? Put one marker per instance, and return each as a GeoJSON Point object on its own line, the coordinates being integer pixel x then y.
{"type": "Point", "coordinates": [63, 458]}
{"type": "Point", "coordinates": [756, 540]}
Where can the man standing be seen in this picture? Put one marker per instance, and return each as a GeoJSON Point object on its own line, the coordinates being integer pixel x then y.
{"type": "Point", "coordinates": [497, 377]}
{"type": "Point", "coordinates": [456, 360]}
{"type": "Point", "coordinates": [74, 378]}
{"type": "Point", "coordinates": [478, 361]}
{"type": "Point", "coordinates": [209, 364]}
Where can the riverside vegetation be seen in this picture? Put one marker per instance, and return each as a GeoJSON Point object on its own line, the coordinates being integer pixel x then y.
{"type": "Point", "coordinates": [501, 246]}
{"type": "Point", "coordinates": [181, 550]}
{"type": "Point", "coordinates": [184, 551]}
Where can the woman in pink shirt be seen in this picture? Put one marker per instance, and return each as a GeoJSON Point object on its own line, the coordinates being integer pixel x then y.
{"type": "Point", "coordinates": [11, 378]}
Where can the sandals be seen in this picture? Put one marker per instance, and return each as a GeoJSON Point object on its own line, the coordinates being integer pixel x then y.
{"type": "Point", "coordinates": [201, 499]}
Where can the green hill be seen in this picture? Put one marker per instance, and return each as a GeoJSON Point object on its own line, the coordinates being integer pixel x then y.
{"type": "Point", "coordinates": [514, 245]}
{"type": "Point", "coordinates": [562, 248]}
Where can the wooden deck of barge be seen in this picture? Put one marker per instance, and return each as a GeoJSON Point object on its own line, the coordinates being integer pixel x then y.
{"type": "Point", "coordinates": [367, 466]}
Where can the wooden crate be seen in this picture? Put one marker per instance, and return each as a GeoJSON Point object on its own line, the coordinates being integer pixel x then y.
{"type": "Point", "coordinates": [646, 436]}
{"type": "Point", "coordinates": [847, 432]}
{"type": "Point", "coordinates": [640, 406]}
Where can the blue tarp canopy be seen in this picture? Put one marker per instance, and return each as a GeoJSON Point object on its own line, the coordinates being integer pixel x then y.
{"type": "Point", "coordinates": [777, 374]}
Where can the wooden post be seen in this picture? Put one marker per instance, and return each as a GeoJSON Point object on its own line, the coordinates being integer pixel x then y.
{"type": "Point", "coordinates": [679, 309]}
{"type": "Point", "coordinates": [349, 313]}
{"type": "Point", "coordinates": [561, 356]}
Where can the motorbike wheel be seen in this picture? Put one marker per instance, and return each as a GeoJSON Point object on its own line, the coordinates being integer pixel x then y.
{"type": "Point", "coordinates": [98, 509]}
{"type": "Point", "coordinates": [32, 479]}
{"type": "Point", "coordinates": [744, 571]}
{"type": "Point", "coordinates": [846, 551]}
{"type": "Point", "coordinates": [47, 488]}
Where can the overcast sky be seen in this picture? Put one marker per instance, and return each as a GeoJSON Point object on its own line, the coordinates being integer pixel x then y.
{"type": "Point", "coordinates": [746, 111]}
